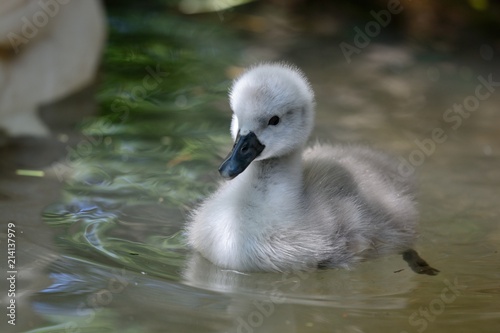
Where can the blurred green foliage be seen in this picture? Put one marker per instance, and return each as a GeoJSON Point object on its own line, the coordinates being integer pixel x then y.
{"type": "Point", "coordinates": [156, 141]}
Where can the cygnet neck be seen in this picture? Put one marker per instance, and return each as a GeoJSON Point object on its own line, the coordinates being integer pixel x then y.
{"type": "Point", "coordinates": [284, 170]}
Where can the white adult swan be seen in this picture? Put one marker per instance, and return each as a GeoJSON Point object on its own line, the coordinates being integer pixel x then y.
{"type": "Point", "coordinates": [286, 208]}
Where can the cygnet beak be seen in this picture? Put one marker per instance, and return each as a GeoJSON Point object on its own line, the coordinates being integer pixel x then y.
{"type": "Point", "coordinates": [246, 148]}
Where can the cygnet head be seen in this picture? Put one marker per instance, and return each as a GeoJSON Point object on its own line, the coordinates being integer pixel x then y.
{"type": "Point", "coordinates": [273, 107]}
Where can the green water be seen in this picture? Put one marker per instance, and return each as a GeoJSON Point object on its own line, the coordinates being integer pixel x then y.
{"type": "Point", "coordinates": [152, 154]}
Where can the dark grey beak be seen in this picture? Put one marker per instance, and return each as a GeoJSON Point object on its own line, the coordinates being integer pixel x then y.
{"type": "Point", "coordinates": [246, 148]}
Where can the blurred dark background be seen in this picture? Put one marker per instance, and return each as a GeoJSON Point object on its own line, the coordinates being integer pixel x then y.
{"type": "Point", "coordinates": [445, 26]}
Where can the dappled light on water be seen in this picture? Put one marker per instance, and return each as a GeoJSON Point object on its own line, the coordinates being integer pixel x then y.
{"type": "Point", "coordinates": [152, 154]}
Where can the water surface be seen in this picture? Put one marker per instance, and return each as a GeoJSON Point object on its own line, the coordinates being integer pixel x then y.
{"type": "Point", "coordinates": [120, 263]}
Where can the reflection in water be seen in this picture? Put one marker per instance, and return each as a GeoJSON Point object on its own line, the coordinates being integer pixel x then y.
{"type": "Point", "coordinates": [114, 236]}
{"type": "Point", "coordinates": [83, 292]}
{"type": "Point", "coordinates": [153, 153]}
{"type": "Point", "coordinates": [334, 288]}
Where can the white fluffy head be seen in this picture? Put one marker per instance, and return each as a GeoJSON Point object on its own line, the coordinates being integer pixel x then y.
{"type": "Point", "coordinates": [270, 90]}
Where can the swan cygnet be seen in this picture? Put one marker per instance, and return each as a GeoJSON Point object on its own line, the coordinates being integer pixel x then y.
{"type": "Point", "coordinates": [288, 208]}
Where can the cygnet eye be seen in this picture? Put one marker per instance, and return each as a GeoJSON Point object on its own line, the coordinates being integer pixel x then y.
{"type": "Point", "coordinates": [274, 121]}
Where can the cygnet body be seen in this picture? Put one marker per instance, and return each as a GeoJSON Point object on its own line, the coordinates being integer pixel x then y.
{"type": "Point", "coordinates": [287, 208]}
